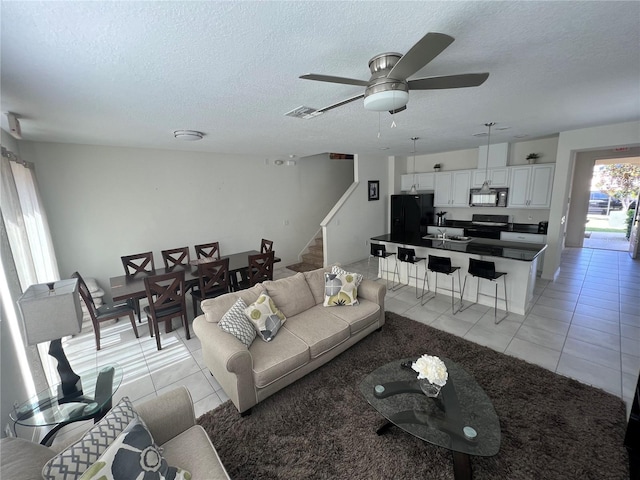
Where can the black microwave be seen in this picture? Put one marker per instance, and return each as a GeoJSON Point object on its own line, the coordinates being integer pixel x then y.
{"type": "Point", "coordinates": [496, 197]}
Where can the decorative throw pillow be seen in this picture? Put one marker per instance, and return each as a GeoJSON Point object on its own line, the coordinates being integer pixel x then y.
{"type": "Point", "coordinates": [340, 290]}
{"type": "Point", "coordinates": [134, 455]}
{"type": "Point", "coordinates": [339, 271]}
{"type": "Point", "coordinates": [235, 322]}
{"type": "Point", "coordinates": [265, 316]}
{"type": "Point", "coordinates": [78, 457]}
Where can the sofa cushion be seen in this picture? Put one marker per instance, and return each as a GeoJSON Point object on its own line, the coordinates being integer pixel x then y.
{"type": "Point", "coordinates": [319, 330]}
{"type": "Point", "coordinates": [134, 455]}
{"type": "Point", "coordinates": [72, 462]}
{"type": "Point", "coordinates": [315, 280]}
{"type": "Point", "coordinates": [23, 459]}
{"type": "Point", "coordinates": [265, 316]}
{"type": "Point", "coordinates": [359, 317]}
{"type": "Point", "coordinates": [237, 324]}
{"type": "Point", "coordinates": [215, 308]}
{"type": "Point", "coordinates": [340, 290]}
{"type": "Point", "coordinates": [291, 294]}
{"type": "Point", "coordinates": [277, 358]}
{"type": "Point", "coordinates": [193, 450]}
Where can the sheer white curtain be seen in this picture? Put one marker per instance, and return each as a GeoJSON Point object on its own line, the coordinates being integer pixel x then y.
{"type": "Point", "coordinates": [31, 248]}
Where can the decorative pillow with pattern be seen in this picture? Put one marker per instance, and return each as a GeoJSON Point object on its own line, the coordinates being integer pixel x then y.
{"type": "Point", "coordinates": [265, 317]}
{"type": "Point", "coordinates": [134, 455]}
{"type": "Point", "coordinates": [71, 463]}
{"type": "Point", "coordinates": [340, 290]}
{"type": "Point", "coordinates": [236, 323]}
{"type": "Point", "coordinates": [339, 271]}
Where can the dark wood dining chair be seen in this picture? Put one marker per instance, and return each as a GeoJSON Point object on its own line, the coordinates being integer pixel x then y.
{"type": "Point", "coordinates": [266, 246]}
{"type": "Point", "coordinates": [107, 311]}
{"type": "Point", "coordinates": [176, 256]}
{"type": "Point", "coordinates": [208, 250]}
{"type": "Point", "coordinates": [260, 269]}
{"type": "Point", "coordinates": [213, 281]}
{"type": "Point", "coordinates": [134, 264]}
{"type": "Point", "coordinates": [166, 296]}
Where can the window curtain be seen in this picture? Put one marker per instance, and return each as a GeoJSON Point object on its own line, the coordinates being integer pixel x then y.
{"type": "Point", "coordinates": [31, 248]}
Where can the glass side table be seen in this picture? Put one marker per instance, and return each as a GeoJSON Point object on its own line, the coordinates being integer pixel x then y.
{"type": "Point", "coordinates": [51, 408]}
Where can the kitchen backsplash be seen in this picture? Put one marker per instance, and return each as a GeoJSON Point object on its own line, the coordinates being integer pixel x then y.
{"type": "Point", "coordinates": [515, 215]}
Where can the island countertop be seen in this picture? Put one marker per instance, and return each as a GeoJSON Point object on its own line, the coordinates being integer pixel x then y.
{"type": "Point", "coordinates": [477, 246]}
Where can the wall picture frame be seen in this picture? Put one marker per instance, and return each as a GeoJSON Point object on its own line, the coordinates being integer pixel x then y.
{"type": "Point", "coordinates": [374, 190]}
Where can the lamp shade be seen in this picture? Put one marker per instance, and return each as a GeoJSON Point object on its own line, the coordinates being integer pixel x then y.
{"type": "Point", "coordinates": [50, 314]}
{"type": "Point", "coordinates": [386, 100]}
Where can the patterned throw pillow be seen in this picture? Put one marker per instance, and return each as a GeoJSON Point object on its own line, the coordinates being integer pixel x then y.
{"type": "Point", "coordinates": [71, 463]}
{"type": "Point", "coordinates": [235, 322]}
{"type": "Point", "coordinates": [340, 290]}
{"type": "Point", "coordinates": [339, 271]}
{"type": "Point", "coordinates": [134, 455]}
{"type": "Point", "coordinates": [265, 316]}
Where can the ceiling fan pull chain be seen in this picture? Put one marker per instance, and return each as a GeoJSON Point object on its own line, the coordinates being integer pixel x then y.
{"type": "Point", "coordinates": [393, 124]}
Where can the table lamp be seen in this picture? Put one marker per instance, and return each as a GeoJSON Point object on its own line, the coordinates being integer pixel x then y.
{"type": "Point", "coordinates": [51, 311]}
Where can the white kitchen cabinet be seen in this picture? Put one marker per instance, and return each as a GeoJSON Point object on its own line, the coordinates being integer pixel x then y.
{"type": "Point", "coordinates": [530, 186]}
{"type": "Point", "coordinates": [422, 181]}
{"type": "Point", "coordinates": [452, 188]}
{"type": "Point", "coordinates": [497, 177]}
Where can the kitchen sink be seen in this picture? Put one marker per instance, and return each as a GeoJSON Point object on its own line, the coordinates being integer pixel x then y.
{"type": "Point", "coordinates": [452, 238]}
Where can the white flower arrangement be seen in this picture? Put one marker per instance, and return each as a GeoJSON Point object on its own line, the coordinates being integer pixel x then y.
{"type": "Point", "coordinates": [431, 368]}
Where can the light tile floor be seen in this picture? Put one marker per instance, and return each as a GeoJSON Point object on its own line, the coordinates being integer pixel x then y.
{"type": "Point", "coordinates": [584, 325]}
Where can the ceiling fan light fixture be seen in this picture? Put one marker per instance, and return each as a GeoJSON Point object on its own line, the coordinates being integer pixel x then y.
{"type": "Point", "coordinates": [386, 100]}
{"type": "Point", "coordinates": [188, 135]}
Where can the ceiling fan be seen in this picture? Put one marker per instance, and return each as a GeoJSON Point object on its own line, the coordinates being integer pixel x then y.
{"type": "Point", "coordinates": [388, 88]}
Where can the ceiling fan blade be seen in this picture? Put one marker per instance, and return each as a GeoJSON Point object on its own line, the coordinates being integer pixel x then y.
{"type": "Point", "coordinates": [339, 104]}
{"type": "Point", "coordinates": [427, 48]}
{"type": "Point", "coordinates": [331, 79]}
{"type": "Point", "coordinates": [448, 81]}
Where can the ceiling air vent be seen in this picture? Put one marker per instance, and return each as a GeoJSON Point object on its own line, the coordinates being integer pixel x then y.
{"type": "Point", "coordinates": [303, 112]}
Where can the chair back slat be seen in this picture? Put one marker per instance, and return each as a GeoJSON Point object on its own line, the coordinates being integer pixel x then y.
{"type": "Point", "coordinates": [165, 291]}
{"type": "Point", "coordinates": [266, 246]}
{"type": "Point", "coordinates": [138, 263]}
{"type": "Point", "coordinates": [85, 294]}
{"type": "Point", "coordinates": [213, 276]}
{"type": "Point", "coordinates": [208, 250]}
{"type": "Point", "coordinates": [260, 267]}
{"type": "Point", "coordinates": [175, 256]}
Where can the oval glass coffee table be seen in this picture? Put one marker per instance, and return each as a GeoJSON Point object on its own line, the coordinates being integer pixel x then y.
{"type": "Point", "coordinates": [461, 418]}
{"type": "Point", "coordinates": [51, 407]}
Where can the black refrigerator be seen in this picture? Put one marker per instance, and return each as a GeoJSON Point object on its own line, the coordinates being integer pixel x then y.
{"type": "Point", "coordinates": [411, 214]}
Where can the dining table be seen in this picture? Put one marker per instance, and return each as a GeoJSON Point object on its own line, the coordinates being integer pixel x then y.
{"type": "Point", "coordinates": [125, 287]}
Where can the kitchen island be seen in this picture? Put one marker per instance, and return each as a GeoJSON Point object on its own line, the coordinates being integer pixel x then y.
{"type": "Point", "coordinates": [519, 260]}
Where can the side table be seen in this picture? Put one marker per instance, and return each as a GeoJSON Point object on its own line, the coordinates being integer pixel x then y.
{"type": "Point", "coordinates": [51, 408]}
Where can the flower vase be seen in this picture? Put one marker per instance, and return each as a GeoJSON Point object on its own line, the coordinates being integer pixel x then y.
{"type": "Point", "coordinates": [428, 388]}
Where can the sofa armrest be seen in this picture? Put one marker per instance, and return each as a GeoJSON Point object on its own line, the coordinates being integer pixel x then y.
{"type": "Point", "coordinates": [168, 415]}
{"type": "Point", "coordinates": [372, 291]}
{"type": "Point", "coordinates": [229, 361]}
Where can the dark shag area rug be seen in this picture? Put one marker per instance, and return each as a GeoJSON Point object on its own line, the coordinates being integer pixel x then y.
{"type": "Point", "coordinates": [321, 427]}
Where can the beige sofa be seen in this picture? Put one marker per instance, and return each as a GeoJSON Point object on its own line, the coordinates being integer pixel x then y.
{"type": "Point", "coordinates": [171, 421]}
{"type": "Point", "coordinates": [311, 335]}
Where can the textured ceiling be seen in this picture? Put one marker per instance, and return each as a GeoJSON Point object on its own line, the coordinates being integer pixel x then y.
{"type": "Point", "coordinates": [129, 73]}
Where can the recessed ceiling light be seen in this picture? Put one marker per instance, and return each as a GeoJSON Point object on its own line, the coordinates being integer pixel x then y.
{"type": "Point", "coordinates": [522, 135]}
{"type": "Point", "coordinates": [503, 128]}
{"type": "Point", "coordinates": [188, 135]}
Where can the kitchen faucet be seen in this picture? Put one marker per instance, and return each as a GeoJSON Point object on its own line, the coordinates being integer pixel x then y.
{"type": "Point", "coordinates": [443, 233]}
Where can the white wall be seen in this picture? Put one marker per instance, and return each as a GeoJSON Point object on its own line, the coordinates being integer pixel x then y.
{"type": "Point", "coordinates": [571, 142]}
{"type": "Point", "coordinates": [350, 225]}
{"type": "Point", "coordinates": [105, 202]}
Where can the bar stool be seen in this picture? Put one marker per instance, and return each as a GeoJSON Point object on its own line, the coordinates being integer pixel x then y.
{"type": "Point", "coordinates": [487, 270]}
{"type": "Point", "coordinates": [380, 251]}
{"type": "Point", "coordinates": [443, 265]}
{"type": "Point", "coordinates": [408, 256]}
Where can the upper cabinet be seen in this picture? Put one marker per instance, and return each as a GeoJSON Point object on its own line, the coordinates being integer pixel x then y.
{"type": "Point", "coordinates": [452, 188]}
{"type": "Point", "coordinates": [497, 177]}
{"type": "Point", "coordinates": [422, 181]}
{"type": "Point", "coordinates": [530, 186]}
